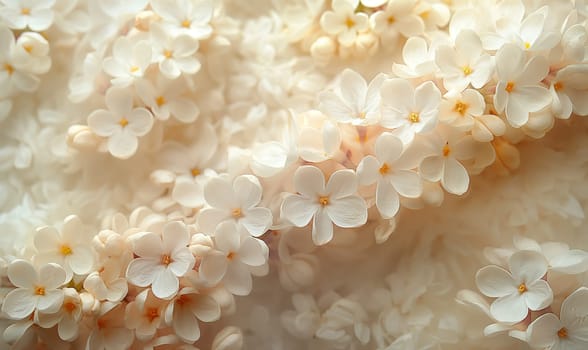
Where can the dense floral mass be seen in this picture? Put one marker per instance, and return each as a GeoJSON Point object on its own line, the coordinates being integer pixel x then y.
{"type": "Point", "coordinates": [345, 174]}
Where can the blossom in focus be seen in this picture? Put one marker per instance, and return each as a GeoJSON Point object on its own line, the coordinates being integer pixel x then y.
{"type": "Point", "coordinates": [185, 16]}
{"type": "Point", "coordinates": [518, 91]}
{"type": "Point", "coordinates": [128, 62]}
{"type": "Point", "coordinates": [569, 331]}
{"type": "Point", "coordinates": [407, 110]}
{"type": "Point", "coordinates": [518, 291]}
{"type": "Point", "coordinates": [398, 16]}
{"type": "Point", "coordinates": [36, 14]}
{"type": "Point", "coordinates": [121, 123]}
{"type": "Point", "coordinates": [35, 290]}
{"type": "Point", "coordinates": [237, 201]}
{"type": "Point", "coordinates": [344, 22]}
{"type": "Point", "coordinates": [187, 308]}
{"type": "Point", "coordinates": [161, 259]}
{"type": "Point", "coordinates": [393, 174]}
{"type": "Point", "coordinates": [336, 203]}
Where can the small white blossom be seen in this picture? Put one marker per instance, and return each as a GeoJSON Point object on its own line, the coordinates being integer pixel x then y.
{"type": "Point", "coordinates": [109, 331]}
{"type": "Point", "coordinates": [518, 291]}
{"type": "Point", "coordinates": [336, 203]}
{"type": "Point", "coordinates": [569, 331]}
{"type": "Point", "coordinates": [518, 91]}
{"type": "Point", "coordinates": [145, 315]}
{"type": "Point", "coordinates": [355, 101]}
{"type": "Point", "coordinates": [121, 123]}
{"type": "Point", "coordinates": [162, 259]}
{"type": "Point", "coordinates": [128, 62]}
{"type": "Point", "coordinates": [408, 110]}
{"type": "Point", "coordinates": [394, 175]}
{"type": "Point", "coordinates": [418, 58]}
{"type": "Point", "coordinates": [36, 14]}
{"type": "Point", "coordinates": [13, 74]}
{"type": "Point", "coordinates": [398, 16]}
{"type": "Point", "coordinates": [568, 90]}
{"type": "Point", "coordinates": [67, 318]}
{"type": "Point", "coordinates": [174, 54]}
{"type": "Point", "coordinates": [467, 63]}
{"type": "Point", "coordinates": [186, 16]}
{"type": "Point", "coordinates": [187, 308]}
{"type": "Point", "coordinates": [69, 248]}
{"type": "Point", "coordinates": [237, 201]}
{"type": "Point", "coordinates": [343, 22]}
{"type": "Point", "coordinates": [165, 100]}
{"type": "Point", "coordinates": [35, 290]}
{"type": "Point", "coordinates": [236, 255]}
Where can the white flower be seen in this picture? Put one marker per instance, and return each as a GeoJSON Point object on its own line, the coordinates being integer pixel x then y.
{"type": "Point", "coordinates": [237, 201]}
{"type": "Point", "coordinates": [35, 14]}
{"type": "Point", "coordinates": [121, 123]}
{"type": "Point", "coordinates": [236, 255]}
{"type": "Point", "coordinates": [109, 331]}
{"type": "Point", "coordinates": [449, 147]}
{"type": "Point", "coordinates": [32, 51]}
{"type": "Point", "coordinates": [145, 315]}
{"type": "Point", "coordinates": [399, 16]}
{"type": "Point", "coordinates": [162, 259]}
{"type": "Point", "coordinates": [356, 102]}
{"type": "Point", "coordinates": [336, 203]}
{"type": "Point", "coordinates": [165, 99]}
{"type": "Point", "coordinates": [418, 58]}
{"type": "Point", "coordinates": [569, 331]}
{"type": "Point", "coordinates": [128, 61]}
{"type": "Point", "coordinates": [107, 283]}
{"type": "Point", "coordinates": [69, 248]}
{"type": "Point", "coordinates": [344, 22]}
{"type": "Point", "coordinates": [187, 308]}
{"type": "Point", "coordinates": [465, 112]}
{"type": "Point", "coordinates": [12, 74]}
{"type": "Point", "coordinates": [568, 90]}
{"type": "Point", "coordinates": [343, 317]}
{"type": "Point", "coordinates": [305, 319]}
{"type": "Point", "coordinates": [67, 318]}
{"type": "Point", "coordinates": [174, 54]}
{"type": "Point", "coordinates": [186, 16]}
{"type": "Point", "coordinates": [518, 291]}
{"type": "Point", "coordinates": [465, 64]}
{"type": "Point", "coordinates": [407, 110]}
{"type": "Point", "coordinates": [373, 3]}
{"type": "Point", "coordinates": [34, 290]}
{"type": "Point", "coordinates": [518, 91]}
{"type": "Point", "coordinates": [393, 175]}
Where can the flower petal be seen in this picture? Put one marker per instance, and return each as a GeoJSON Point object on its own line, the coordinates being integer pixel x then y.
{"type": "Point", "coordinates": [367, 170]}
{"type": "Point", "coordinates": [238, 280]}
{"type": "Point", "coordinates": [22, 274]}
{"type": "Point", "coordinates": [309, 181]}
{"type": "Point", "coordinates": [342, 183]}
{"type": "Point", "coordinates": [542, 333]}
{"type": "Point", "coordinates": [19, 303]}
{"type": "Point", "coordinates": [141, 272]}
{"type": "Point", "coordinates": [256, 220]}
{"type": "Point", "coordinates": [52, 276]}
{"type": "Point", "coordinates": [165, 284]}
{"type": "Point", "coordinates": [322, 228]}
{"type": "Point", "coordinates": [387, 200]}
{"type": "Point", "coordinates": [510, 308]}
{"type": "Point", "coordinates": [455, 177]}
{"type": "Point", "coordinates": [174, 236]}
{"type": "Point", "coordinates": [350, 211]}
{"type": "Point", "coordinates": [251, 252]}
{"type": "Point", "coordinates": [148, 245]}
{"type": "Point", "coordinates": [219, 193]}
{"type": "Point", "coordinates": [527, 266]}
{"type": "Point", "coordinates": [206, 308]}
{"type": "Point", "coordinates": [539, 295]}
{"type": "Point", "coordinates": [298, 210]}
{"type": "Point", "coordinates": [494, 282]}
{"type": "Point", "coordinates": [209, 218]}
{"type": "Point", "coordinates": [227, 238]}
{"type": "Point", "coordinates": [248, 190]}
{"type": "Point", "coordinates": [407, 183]}
{"type": "Point", "coordinates": [213, 267]}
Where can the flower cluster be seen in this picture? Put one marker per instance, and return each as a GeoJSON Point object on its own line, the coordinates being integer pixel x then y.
{"type": "Point", "coordinates": [157, 155]}
{"type": "Point", "coordinates": [539, 294]}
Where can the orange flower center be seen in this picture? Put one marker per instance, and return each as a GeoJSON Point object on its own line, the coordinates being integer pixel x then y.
{"type": "Point", "coordinates": [236, 213]}
{"type": "Point", "coordinates": [39, 290]}
{"type": "Point", "coordinates": [323, 200]}
{"type": "Point", "coordinates": [151, 313]}
{"type": "Point", "coordinates": [558, 86]}
{"type": "Point", "coordinates": [69, 306]}
{"type": "Point", "coordinates": [460, 107]}
{"type": "Point", "coordinates": [25, 11]}
{"type": "Point", "coordinates": [414, 117]}
{"type": "Point", "coordinates": [8, 68]}
{"type": "Point", "coordinates": [562, 333]}
{"type": "Point", "coordinates": [231, 256]}
{"type": "Point", "coordinates": [446, 150]}
{"type": "Point", "coordinates": [195, 171]}
{"type": "Point", "coordinates": [123, 122]}
{"type": "Point", "coordinates": [522, 288]}
{"type": "Point", "coordinates": [186, 23]}
{"type": "Point", "coordinates": [467, 70]}
{"type": "Point", "coordinates": [166, 259]}
{"type": "Point", "coordinates": [509, 86]}
{"type": "Point", "coordinates": [384, 169]}
{"type": "Point", "coordinates": [160, 101]}
{"type": "Point", "coordinates": [65, 250]}
{"type": "Point", "coordinates": [349, 22]}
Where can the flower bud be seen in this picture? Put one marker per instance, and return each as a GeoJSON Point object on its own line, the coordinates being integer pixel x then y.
{"type": "Point", "coordinates": [230, 338]}
{"type": "Point", "coordinates": [323, 49]}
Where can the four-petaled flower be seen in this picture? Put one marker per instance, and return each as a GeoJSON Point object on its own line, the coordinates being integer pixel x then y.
{"type": "Point", "coordinates": [336, 203]}
{"type": "Point", "coordinates": [162, 259]}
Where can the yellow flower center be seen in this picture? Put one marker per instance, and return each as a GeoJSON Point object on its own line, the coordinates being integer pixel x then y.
{"type": "Point", "coordinates": [349, 22]}
{"type": "Point", "coordinates": [361, 115]}
{"type": "Point", "coordinates": [28, 48]}
{"type": "Point", "coordinates": [446, 150]}
{"type": "Point", "coordinates": [323, 200]}
{"type": "Point", "coordinates": [522, 288]}
{"type": "Point", "coordinates": [39, 290]}
{"type": "Point", "coordinates": [558, 86]}
{"type": "Point", "coordinates": [166, 259]}
{"type": "Point", "coordinates": [460, 107]}
{"type": "Point", "coordinates": [8, 68]}
{"type": "Point", "coordinates": [160, 101]}
{"type": "Point", "coordinates": [391, 19]}
{"type": "Point", "coordinates": [414, 117]}
{"type": "Point", "coordinates": [69, 306]}
{"type": "Point", "coordinates": [195, 171]}
{"type": "Point", "coordinates": [509, 86]}
{"type": "Point", "coordinates": [527, 45]}
{"type": "Point", "coordinates": [236, 213]}
{"type": "Point", "coordinates": [123, 122]}
{"type": "Point", "coordinates": [167, 53]}
{"type": "Point", "coordinates": [25, 11]}
{"type": "Point", "coordinates": [562, 333]}
{"type": "Point", "coordinates": [467, 70]}
{"type": "Point", "coordinates": [134, 69]}
{"type": "Point", "coordinates": [186, 23]}
{"type": "Point", "coordinates": [231, 256]}
{"type": "Point", "coordinates": [384, 169]}
{"type": "Point", "coordinates": [65, 250]}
